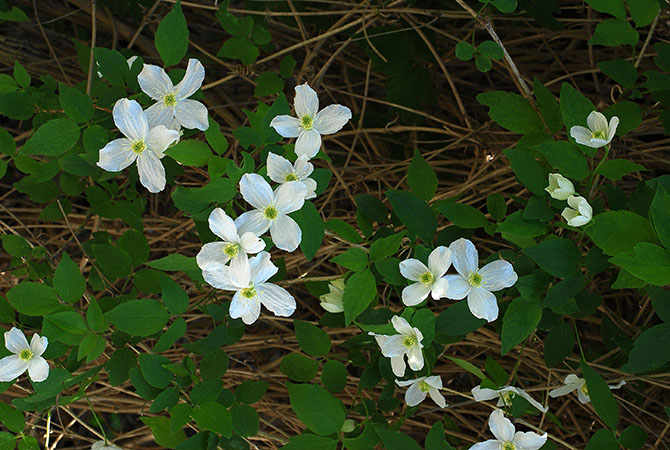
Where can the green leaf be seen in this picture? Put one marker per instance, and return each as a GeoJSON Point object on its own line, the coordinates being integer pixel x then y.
{"type": "Point", "coordinates": [647, 354]}
{"type": "Point", "coordinates": [629, 114]}
{"type": "Point", "coordinates": [286, 66]}
{"type": "Point", "coordinates": [360, 291]}
{"type": "Point", "coordinates": [463, 216]}
{"type": "Point", "coordinates": [309, 221]}
{"type": "Point", "coordinates": [662, 59]}
{"type": "Point", "coordinates": [298, 367]}
{"type": "Point", "coordinates": [175, 332]}
{"type": "Point", "coordinates": [414, 213]}
{"type": "Point", "coordinates": [215, 137]}
{"type": "Point", "coordinates": [436, 439]}
{"type": "Point", "coordinates": [21, 75]}
{"type": "Point", "coordinates": [11, 418]}
{"type": "Point", "coordinates": [633, 437]}
{"type": "Point", "coordinates": [385, 247]}
{"type": "Point", "coordinates": [90, 347]}
{"type": "Point", "coordinates": [53, 138]}
{"type": "Point", "coordinates": [529, 172]}
{"type": "Point", "coordinates": [566, 158]}
{"type": "Point", "coordinates": [239, 48]}
{"type": "Point", "coordinates": [353, 259]}
{"type": "Point", "coordinates": [483, 63]}
{"type": "Point", "coordinates": [171, 38]}
{"type": "Point", "coordinates": [371, 207]}
{"type": "Point", "coordinates": [660, 299]}
{"type": "Point", "coordinates": [511, 111]}
{"type": "Point", "coordinates": [94, 316]}
{"type": "Point", "coordinates": [421, 177]}
{"type": "Point", "coordinates": [424, 319]}
{"type": "Point", "coordinates": [213, 416]}
{"type": "Point", "coordinates": [344, 230]}
{"type": "Point", "coordinates": [160, 427]}
{"type": "Point", "coordinates": [614, 32]}
{"type": "Point", "coordinates": [643, 12]}
{"type": "Point", "coordinates": [166, 399]}
{"type": "Point", "coordinates": [112, 65]}
{"type": "Point", "coordinates": [549, 108]}
{"type": "Point", "coordinates": [68, 281]}
{"type": "Point", "coordinates": [521, 318]}
{"type": "Point", "coordinates": [153, 370]}
{"type": "Point", "coordinates": [17, 105]}
{"type": "Point", "coordinates": [614, 169]}
{"type": "Point", "coordinates": [621, 71]}
{"type": "Point", "coordinates": [68, 321]}
{"type": "Point", "coordinates": [310, 442]}
{"type": "Point", "coordinates": [245, 420]}
{"type": "Point", "coordinates": [318, 409]}
{"type": "Point", "coordinates": [174, 297]}
{"type": "Point", "coordinates": [312, 339]}
{"type": "Point", "coordinates": [190, 152]}
{"type": "Point", "coordinates": [77, 105]}
{"type": "Point", "coordinates": [575, 108]}
{"type": "Point", "coordinates": [558, 257]}
{"type": "Point", "coordinates": [618, 231]}
{"type": "Point", "coordinates": [602, 440]}
{"type": "Point", "coordinates": [14, 15]}
{"type": "Point", "coordinates": [464, 51]}
{"type": "Point", "coordinates": [602, 398]}
{"type": "Point", "coordinates": [490, 49]}
{"type": "Point", "coordinates": [660, 215]}
{"type": "Point", "coordinates": [268, 83]}
{"type": "Point", "coordinates": [505, 6]}
{"type": "Point", "coordinates": [33, 299]}
{"type": "Point", "coordinates": [251, 391]}
{"type": "Point", "coordinates": [174, 262]}
{"type": "Point", "coordinates": [119, 365]}
{"type": "Point", "coordinates": [139, 317]}
{"type": "Point", "coordinates": [457, 320]}
{"type": "Point", "coordinates": [334, 376]}
{"type": "Point", "coordinates": [113, 261]}
{"type": "Point", "coordinates": [463, 364]}
{"type": "Point", "coordinates": [7, 84]}
{"type": "Point", "coordinates": [16, 245]}
{"type": "Point", "coordinates": [613, 7]}
{"type": "Point", "coordinates": [496, 206]}
{"type": "Point", "coordinates": [396, 440]}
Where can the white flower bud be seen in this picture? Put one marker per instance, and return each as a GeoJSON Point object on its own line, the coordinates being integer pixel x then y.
{"type": "Point", "coordinates": [559, 187]}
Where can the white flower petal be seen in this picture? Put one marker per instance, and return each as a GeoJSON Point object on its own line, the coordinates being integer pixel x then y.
{"type": "Point", "coordinates": [11, 367]}
{"type": "Point", "coordinates": [222, 225]}
{"type": "Point", "coordinates": [303, 167]}
{"type": "Point", "coordinates": [596, 121]}
{"type": "Point", "coordinates": [278, 168]}
{"type": "Point", "coordinates": [464, 257]}
{"type": "Point", "coordinates": [159, 114]}
{"type": "Point", "coordinates": [501, 426]}
{"type": "Point", "coordinates": [392, 346]}
{"type": "Point", "coordinates": [155, 82]}
{"type": "Point", "coordinates": [212, 256]}
{"type": "Point", "coordinates": [412, 269]}
{"type": "Point", "coordinates": [437, 397]}
{"type": "Point", "coordinates": [116, 155]}
{"type": "Point", "coordinates": [398, 365]}
{"type": "Point", "coordinates": [614, 123]}
{"type": "Point", "coordinates": [491, 444]}
{"type": "Point", "coordinates": [256, 191]}
{"type": "Point", "coordinates": [414, 395]}
{"type": "Point", "coordinates": [331, 119]}
{"type": "Point", "coordinates": [498, 275]}
{"type": "Point", "coordinates": [415, 293]}
{"type": "Point", "coordinates": [619, 385]}
{"type": "Point", "coordinates": [191, 114]}
{"type": "Point", "coordinates": [240, 270]}
{"type": "Point", "coordinates": [286, 126]}
{"type": "Point", "coordinates": [483, 304]}
{"type": "Point", "coordinates": [130, 119]}
{"type": "Point", "coordinates": [262, 269]}
{"type": "Point", "coordinates": [250, 243]}
{"type": "Point", "coordinates": [15, 340]}
{"type": "Point", "coordinates": [415, 358]}
{"type": "Point", "coordinates": [306, 101]}
{"type": "Point", "coordinates": [276, 299]}
{"type": "Point", "coordinates": [290, 196]}
{"type": "Point", "coordinates": [38, 369]}
{"type": "Point", "coordinates": [434, 381]}
{"type": "Point", "coordinates": [246, 308]}
{"type": "Point", "coordinates": [458, 288]}
{"type": "Point", "coordinates": [482, 394]}
{"type": "Point", "coordinates": [38, 344]}
{"type": "Point", "coordinates": [581, 135]}
{"type": "Point", "coordinates": [439, 261]}
{"type": "Point", "coordinates": [160, 138]}
{"type": "Point", "coordinates": [529, 440]}
{"type": "Point", "coordinates": [332, 307]}
{"type": "Point", "coordinates": [563, 390]}
{"type": "Point", "coordinates": [409, 382]}
{"type": "Point", "coordinates": [285, 232]}
{"type": "Point", "coordinates": [572, 378]}
{"type": "Point", "coordinates": [253, 222]}
{"type": "Point", "coordinates": [219, 278]}
{"type": "Point", "coordinates": [402, 326]}
{"type": "Point", "coordinates": [440, 288]}
{"type": "Point", "coordinates": [310, 185]}
{"type": "Point", "coordinates": [151, 170]}
{"type": "Point", "coordinates": [583, 397]}
{"type": "Point", "coordinates": [308, 143]}
{"type": "Point", "coordinates": [195, 74]}
{"type": "Point", "coordinates": [532, 401]}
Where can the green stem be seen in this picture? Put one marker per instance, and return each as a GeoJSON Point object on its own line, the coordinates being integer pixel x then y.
{"type": "Point", "coordinates": [594, 174]}
{"type": "Point", "coordinates": [95, 416]}
{"type": "Point", "coordinates": [579, 342]}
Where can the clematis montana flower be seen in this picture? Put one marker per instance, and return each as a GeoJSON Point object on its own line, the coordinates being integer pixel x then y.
{"type": "Point", "coordinates": [598, 134]}
{"type": "Point", "coordinates": [419, 388]}
{"type": "Point", "coordinates": [280, 170]}
{"type": "Point", "coordinates": [574, 383]}
{"type": "Point", "coordinates": [233, 248]}
{"type": "Point", "coordinates": [252, 289]}
{"type": "Point", "coordinates": [102, 445]}
{"type": "Point", "coordinates": [504, 396]}
{"type": "Point", "coordinates": [428, 279]}
{"type": "Point", "coordinates": [310, 124]}
{"type": "Point", "coordinates": [25, 357]}
{"type": "Point", "coordinates": [477, 284]}
{"type": "Point", "coordinates": [407, 342]}
{"type": "Point", "coordinates": [506, 438]}
{"type": "Point", "coordinates": [332, 301]}
{"type": "Point", "coordinates": [579, 213]}
{"type": "Point", "coordinates": [172, 101]}
{"type": "Point", "coordinates": [272, 209]}
{"type": "Point", "coordinates": [559, 187]}
{"type": "Point", "coordinates": [140, 143]}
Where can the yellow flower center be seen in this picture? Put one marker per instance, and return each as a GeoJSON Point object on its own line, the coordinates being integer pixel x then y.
{"type": "Point", "coordinates": [424, 387]}
{"type": "Point", "coordinates": [508, 446]}
{"type": "Point", "coordinates": [170, 100]}
{"type": "Point", "coordinates": [26, 355]}
{"type": "Point", "coordinates": [231, 250]}
{"type": "Point", "coordinates": [427, 278]}
{"type": "Point", "coordinates": [475, 280]}
{"type": "Point", "coordinates": [249, 293]}
{"type": "Point", "coordinates": [270, 213]}
{"type": "Point", "coordinates": [600, 134]}
{"type": "Point", "coordinates": [306, 122]}
{"type": "Point", "coordinates": [507, 397]}
{"type": "Point", "coordinates": [409, 341]}
{"type": "Point", "coordinates": [584, 389]}
{"type": "Point", "coordinates": [291, 177]}
{"type": "Point", "coordinates": [138, 146]}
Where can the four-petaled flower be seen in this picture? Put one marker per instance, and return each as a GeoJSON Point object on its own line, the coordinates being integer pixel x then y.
{"type": "Point", "coordinates": [478, 284]}
{"type": "Point", "coordinates": [172, 101]}
{"type": "Point", "coordinates": [428, 280]}
{"type": "Point", "coordinates": [407, 342]}
{"type": "Point", "coordinates": [504, 396]}
{"type": "Point", "coordinates": [234, 248]}
{"type": "Point", "coordinates": [252, 289]}
{"type": "Point", "coordinates": [310, 124]}
{"type": "Point", "coordinates": [140, 143]}
{"type": "Point", "coordinates": [559, 187]}
{"type": "Point", "coordinates": [420, 387]}
{"type": "Point", "coordinates": [272, 209]}
{"type": "Point", "coordinates": [598, 134]}
{"type": "Point", "coordinates": [506, 438]}
{"type": "Point", "coordinates": [579, 213]}
{"type": "Point", "coordinates": [574, 383]}
{"type": "Point", "coordinates": [280, 170]}
{"type": "Point", "coordinates": [332, 301]}
{"type": "Point", "coordinates": [25, 357]}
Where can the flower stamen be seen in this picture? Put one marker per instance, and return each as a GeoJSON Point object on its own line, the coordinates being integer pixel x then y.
{"type": "Point", "coordinates": [231, 250]}
{"type": "Point", "coordinates": [427, 278]}
{"type": "Point", "coordinates": [26, 355]}
{"type": "Point", "coordinates": [270, 213]}
{"type": "Point", "coordinates": [306, 122]}
{"type": "Point", "coordinates": [475, 279]}
{"type": "Point", "coordinates": [138, 146]}
{"type": "Point", "coordinates": [170, 100]}
{"type": "Point", "coordinates": [291, 177]}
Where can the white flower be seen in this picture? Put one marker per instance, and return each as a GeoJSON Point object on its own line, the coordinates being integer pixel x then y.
{"type": "Point", "coordinates": [172, 101]}
{"type": "Point", "coordinates": [419, 388]}
{"type": "Point", "coordinates": [574, 383]}
{"type": "Point", "coordinates": [252, 289]}
{"type": "Point", "coordinates": [504, 396]}
{"type": "Point", "coordinates": [234, 248]}
{"type": "Point", "coordinates": [102, 445]}
{"type": "Point", "coordinates": [280, 170]}
{"type": "Point", "coordinates": [580, 212]}
{"type": "Point", "coordinates": [332, 301]}
{"type": "Point", "coordinates": [506, 438]}
{"type": "Point", "coordinates": [272, 209]}
{"type": "Point", "coordinates": [598, 134]}
{"type": "Point", "coordinates": [310, 124]}
{"type": "Point", "coordinates": [25, 357]}
{"type": "Point", "coordinates": [407, 342]}
{"type": "Point", "coordinates": [559, 187]}
{"type": "Point", "coordinates": [477, 284]}
{"type": "Point", "coordinates": [428, 279]}
{"type": "Point", "coordinates": [140, 143]}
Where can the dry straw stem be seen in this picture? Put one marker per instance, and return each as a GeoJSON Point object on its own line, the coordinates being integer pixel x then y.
{"type": "Point", "coordinates": [370, 155]}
